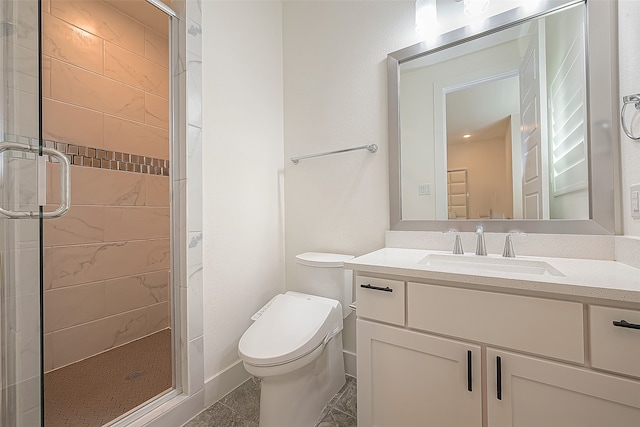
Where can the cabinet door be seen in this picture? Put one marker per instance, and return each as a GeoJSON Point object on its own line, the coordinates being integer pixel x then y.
{"type": "Point", "coordinates": [411, 379]}
{"type": "Point", "coordinates": [536, 393]}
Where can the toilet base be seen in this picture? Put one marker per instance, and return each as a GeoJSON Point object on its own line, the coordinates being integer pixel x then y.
{"type": "Point", "coordinates": [296, 399]}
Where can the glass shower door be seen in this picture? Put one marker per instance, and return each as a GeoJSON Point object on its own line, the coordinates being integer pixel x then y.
{"type": "Point", "coordinates": [20, 266]}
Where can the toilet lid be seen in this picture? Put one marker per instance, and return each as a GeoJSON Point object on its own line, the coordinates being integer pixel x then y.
{"type": "Point", "coordinates": [318, 259]}
{"type": "Point", "coordinates": [291, 328]}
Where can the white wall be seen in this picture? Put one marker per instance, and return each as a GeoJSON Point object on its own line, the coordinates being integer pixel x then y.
{"type": "Point", "coordinates": [242, 174]}
{"type": "Point", "coordinates": [422, 91]}
{"type": "Point", "coordinates": [629, 41]}
{"type": "Point", "coordinates": [320, 68]}
{"type": "Point", "coordinates": [336, 97]}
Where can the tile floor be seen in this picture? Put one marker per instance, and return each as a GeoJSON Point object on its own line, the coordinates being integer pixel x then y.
{"type": "Point", "coordinates": [94, 391]}
{"type": "Point", "coordinates": [241, 408]}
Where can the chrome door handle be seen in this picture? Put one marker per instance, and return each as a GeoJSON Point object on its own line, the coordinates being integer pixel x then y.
{"type": "Point", "coordinates": [65, 182]}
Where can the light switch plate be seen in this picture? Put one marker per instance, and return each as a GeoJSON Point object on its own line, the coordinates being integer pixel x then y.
{"type": "Point", "coordinates": [424, 189]}
{"type": "Point", "coordinates": [635, 201]}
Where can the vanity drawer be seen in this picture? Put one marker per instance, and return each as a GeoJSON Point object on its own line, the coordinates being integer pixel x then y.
{"type": "Point", "coordinates": [535, 325]}
{"type": "Point", "coordinates": [380, 299]}
{"type": "Point", "coordinates": [615, 348]}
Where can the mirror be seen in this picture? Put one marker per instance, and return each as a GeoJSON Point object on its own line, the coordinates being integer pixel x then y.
{"type": "Point", "coordinates": [508, 126]}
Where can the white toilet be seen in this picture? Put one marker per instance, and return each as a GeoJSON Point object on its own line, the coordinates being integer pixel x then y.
{"type": "Point", "coordinates": [295, 345]}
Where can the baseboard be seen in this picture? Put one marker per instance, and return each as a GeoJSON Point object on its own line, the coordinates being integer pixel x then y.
{"type": "Point", "coordinates": [221, 384]}
{"type": "Point", "coordinates": [218, 386]}
{"type": "Point", "coordinates": [183, 408]}
{"type": "Point", "coordinates": [175, 412]}
{"type": "Point", "coordinates": [350, 363]}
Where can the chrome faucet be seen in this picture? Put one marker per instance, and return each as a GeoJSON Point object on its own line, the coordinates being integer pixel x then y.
{"type": "Point", "coordinates": [481, 249]}
{"type": "Point", "coordinates": [508, 251]}
{"type": "Point", "coordinates": [457, 246]}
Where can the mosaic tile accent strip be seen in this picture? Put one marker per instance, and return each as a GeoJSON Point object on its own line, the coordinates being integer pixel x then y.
{"type": "Point", "coordinates": [9, 137]}
{"type": "Point", "coordinates": [24, 140]}
{"type": "Point", "coordinates": [80, 155]}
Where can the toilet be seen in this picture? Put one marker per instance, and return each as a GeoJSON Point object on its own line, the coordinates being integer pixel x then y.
{"type": "Point", "coordinates": [295, 343]}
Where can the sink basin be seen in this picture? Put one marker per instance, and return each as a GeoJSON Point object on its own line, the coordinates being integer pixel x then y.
{"type": "Point", "coordinates": [469, 263]}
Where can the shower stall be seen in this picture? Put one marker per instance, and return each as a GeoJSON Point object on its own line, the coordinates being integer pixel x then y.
{"type": "Point", "coordinates": [85, 209]}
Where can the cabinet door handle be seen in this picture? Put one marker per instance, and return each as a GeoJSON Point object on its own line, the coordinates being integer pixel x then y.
{"type": "Point", "coordinates": [469, 377]}
{"type": "Point", "coordinates": [376, 288]}
{"type": "Point", "coordinates": [498, 377]}
{"type": "Point", "coordinates": [625, 324]}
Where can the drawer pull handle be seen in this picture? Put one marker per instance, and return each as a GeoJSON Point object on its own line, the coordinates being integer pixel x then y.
{"type": "Point", "coordinates": [376, 288]}
{"type": "Point", "coordinates": [498, 377]}
{"type": "Point", "coordinates": [469, 378]}
{"type": "Point", "coordinates": [625, 324]}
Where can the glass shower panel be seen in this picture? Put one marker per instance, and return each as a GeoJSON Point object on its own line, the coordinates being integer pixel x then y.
{"type": "Point", "coordinates": [107, 279]}
{"type": "Point", "coordinates": [20, 361]}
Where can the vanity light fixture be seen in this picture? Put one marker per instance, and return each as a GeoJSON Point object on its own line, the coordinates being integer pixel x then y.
{"type": "Point", "coordinates": [475, 7]}
{"type": "Point", "coordinates": [426, 17]}
{"type": "Point", "coordinates": [466, 135]}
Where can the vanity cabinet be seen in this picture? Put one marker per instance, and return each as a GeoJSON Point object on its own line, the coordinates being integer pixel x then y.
{"type": "Point", "coordinates": [534, 392]}
{"type": "Point", "coordinates": [407, 379]}
{"type": "Point", "coordinates": [468, 357]}
{"type": "Point", "coordinates": [533, 325]}
{"type": "Point", "coordinates": [615, 349]}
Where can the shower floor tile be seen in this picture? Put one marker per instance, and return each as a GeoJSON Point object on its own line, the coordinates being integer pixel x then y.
{"type": "Point", "coordinates": [97, 390]}
{"type": "Point", "coordinates": [241, 408]}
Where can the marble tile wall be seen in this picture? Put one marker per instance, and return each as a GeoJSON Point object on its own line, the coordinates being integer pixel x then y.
{"type": "Point", "coordinates": [188, 237]}
{"type": "Point", "coordinates": [107, 261]}
{"type": "Point", "coordinates": [105, 78]}
{"type": "Point", "coordinates": [187, 182]}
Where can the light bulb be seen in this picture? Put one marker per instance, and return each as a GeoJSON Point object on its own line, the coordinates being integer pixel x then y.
{"type": "Point", "coordinates": [426, 17]}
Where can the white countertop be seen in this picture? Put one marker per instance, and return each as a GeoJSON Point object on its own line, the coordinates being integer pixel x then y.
{"type": "Point", "coordinates": [599, 279]}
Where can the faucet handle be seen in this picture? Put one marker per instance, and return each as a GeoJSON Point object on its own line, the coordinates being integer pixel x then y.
{"type": "Point", "coordinates": [481, 248]}
{"type": "Point", "coordinates": [457, 245]}
{"type": "Point", "coordinates": [508, 251]}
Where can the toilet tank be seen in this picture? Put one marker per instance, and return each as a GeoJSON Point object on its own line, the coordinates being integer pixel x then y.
{"type": "Point", "coordinates": [323, 275]}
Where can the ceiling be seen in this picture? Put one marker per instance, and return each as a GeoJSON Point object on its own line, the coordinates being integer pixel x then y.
{"type": "Point", "coordinates": [481, 109]}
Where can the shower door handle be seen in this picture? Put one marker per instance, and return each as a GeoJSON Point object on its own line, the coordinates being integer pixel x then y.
{"type": "Point", "coordinates": [65, 181]}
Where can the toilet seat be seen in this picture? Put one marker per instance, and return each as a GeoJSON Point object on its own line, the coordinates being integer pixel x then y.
{"type": "Point", "coordinates": [294, 326]}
